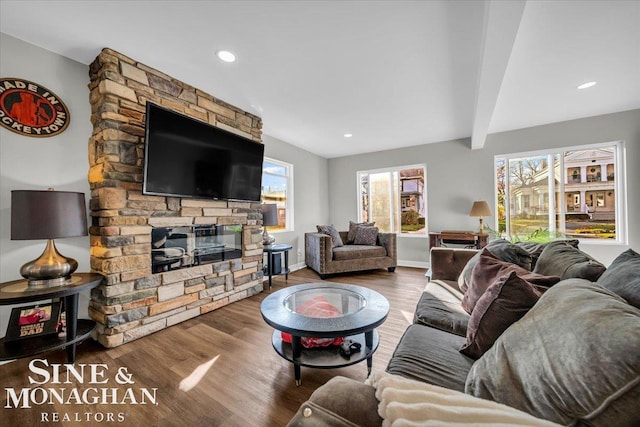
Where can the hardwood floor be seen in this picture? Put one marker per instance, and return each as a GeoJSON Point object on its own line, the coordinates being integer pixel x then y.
{"type": "Point", "coordinates": [247, 385]}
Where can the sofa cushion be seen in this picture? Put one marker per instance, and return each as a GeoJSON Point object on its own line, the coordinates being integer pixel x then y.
{"type": "Point", "coordinates": [348, 252]}
{"type": "Point", "coordinates": [439, 307]}
{"type": "Point", "coordinates": [623, 277]}
{"type": "Point", "coordinates": [488, 269]}
{"type": "Point", "coordinates": [507, 299]}
{"type": "Point", "coordinates": [560, 258]}
{"type": "Point", "coordinates": [365, 235]}
{"type": "Point", "coordinates": [573, 358]}
{"type": "Point", "coordinates": [336, 240]}
{"type": "Point", "coordinates": [341, 402]}
{"type": "Point", "coordinates": [351, 235]}
{"type": "Point", "coordinates": [431, 355]}
{"type": "Point", "coordinates": [501, 249]}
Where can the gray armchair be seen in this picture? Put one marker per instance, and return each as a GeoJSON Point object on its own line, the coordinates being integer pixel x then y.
{"type": "Point", "coordinates": [325, 260]}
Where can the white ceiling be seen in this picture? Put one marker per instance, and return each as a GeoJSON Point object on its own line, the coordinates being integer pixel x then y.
{"type": "Point", "coordinates": [392, 73]}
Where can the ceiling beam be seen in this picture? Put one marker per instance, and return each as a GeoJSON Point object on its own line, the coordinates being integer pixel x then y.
{"type": "Point", "coordinates": [501, 23]}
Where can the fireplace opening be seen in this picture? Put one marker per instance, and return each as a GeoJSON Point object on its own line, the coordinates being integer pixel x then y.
{"type": "Point", "coordinates": [173, 248]}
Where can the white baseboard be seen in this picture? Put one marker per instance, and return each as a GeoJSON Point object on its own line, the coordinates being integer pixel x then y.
{"type": "Point", "coordinates": [298, 266]}
{"type": "Point", "coordinates": [413, 264]}
{"type": "Point", "coordinates": [292, 268]}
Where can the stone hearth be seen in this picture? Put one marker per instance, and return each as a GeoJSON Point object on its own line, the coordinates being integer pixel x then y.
{"type": "Point", "coordinates": [133, 302]}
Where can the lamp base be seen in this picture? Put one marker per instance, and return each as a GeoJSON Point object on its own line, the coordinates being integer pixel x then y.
{"type": "Point", "coordinates": [267, 239]}
{"type": "Point", "coordinates": [50, 269]}
{"type": "Point", "coordinates": [48, 283]}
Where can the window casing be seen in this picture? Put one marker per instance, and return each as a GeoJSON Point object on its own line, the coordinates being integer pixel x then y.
{"type": "Point", "coordinates": [395, 198]}
{"type": "Point", "coordinates": [277, 187]}
{"type": "Point", "coordinates": [587, 189]}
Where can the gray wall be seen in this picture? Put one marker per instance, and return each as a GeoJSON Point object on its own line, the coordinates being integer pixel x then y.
{"type": "Point", "coordinates": [311, 193]}
{"type": "Point", "coordinates": [457, 175]}
{"type": "Point", "coordinates": [62, 162]}
{"type": "Point", "coordinates": [27, 163]}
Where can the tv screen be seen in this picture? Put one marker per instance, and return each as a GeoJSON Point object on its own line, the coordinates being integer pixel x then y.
{"type": "Point", "coordinates": [185, 157]}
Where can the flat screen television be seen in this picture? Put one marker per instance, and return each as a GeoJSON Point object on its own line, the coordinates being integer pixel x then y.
{"type": "Point", "coordinates": [185, 157]}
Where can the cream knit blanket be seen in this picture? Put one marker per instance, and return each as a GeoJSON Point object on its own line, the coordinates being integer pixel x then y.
{"type": "Point", "coordinates": [408, 403]}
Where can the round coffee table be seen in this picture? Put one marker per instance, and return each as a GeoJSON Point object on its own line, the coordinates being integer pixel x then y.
{"type": "Point", "coordinates": [358, 311]}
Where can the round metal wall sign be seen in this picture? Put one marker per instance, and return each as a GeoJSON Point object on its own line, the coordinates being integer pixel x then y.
{"type": "Point", "coordinates": [30, 109]}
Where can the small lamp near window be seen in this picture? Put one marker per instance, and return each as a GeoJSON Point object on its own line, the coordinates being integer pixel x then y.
{"type": "Point", "coordinates": [480, 208]}
{"type": "Point", "coordinates": [269, 219]}
{"type": "Point", "coordinates": [48, 215]}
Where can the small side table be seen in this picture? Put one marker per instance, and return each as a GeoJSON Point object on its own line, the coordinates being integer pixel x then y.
{"type": "Point", "coordinates": [17, 292]}
{"type": "Point", "coordinates": [272, 251]}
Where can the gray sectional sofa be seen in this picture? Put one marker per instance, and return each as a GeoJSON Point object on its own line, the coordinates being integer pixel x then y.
{"type": "Point", "coordinates": [573, 358]}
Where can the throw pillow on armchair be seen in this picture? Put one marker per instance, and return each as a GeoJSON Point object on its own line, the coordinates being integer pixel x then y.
{"type": "Point", "coordinates": [330, 230]}
{"type": "Point", "coordinates": [353, 226]}
{"type": "Point", "coordinates": [365, 235]}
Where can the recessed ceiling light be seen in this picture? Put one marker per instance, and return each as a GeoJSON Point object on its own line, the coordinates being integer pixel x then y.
{"type": "Point", "coordinates": [586, 85]}
{"type": "Point", "coordinates": [348, 135]}
{"type": "Point", "coordinates": [226, 56]}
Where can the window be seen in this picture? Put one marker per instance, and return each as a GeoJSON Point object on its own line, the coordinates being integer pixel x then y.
{"type": "Point", "coordinates": [394, 198]}
{"type": "Point", "coordinates": [572, 191]}
{"type": "Point", "coordinates": [277, 187]}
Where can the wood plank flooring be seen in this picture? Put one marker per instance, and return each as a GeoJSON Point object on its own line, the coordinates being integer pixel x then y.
{"type": "Point", "coordinates": [247, 385]}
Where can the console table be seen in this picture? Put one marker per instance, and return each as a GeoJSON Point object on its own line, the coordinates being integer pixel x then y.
{"type": "Point", "coordinates": [18, 292]}
{"type": "Point", "coordinates": [469, 238]}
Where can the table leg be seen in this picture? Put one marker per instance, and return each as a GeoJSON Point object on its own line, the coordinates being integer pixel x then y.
{"type": "Point", "coordinates": [368, 341]}
{"type": "Point", "coordinates": [286, 266]}
{"type": "Point", "coordinates": [296, 347]}
{"type": "Point", "coordinates": [71, 311]}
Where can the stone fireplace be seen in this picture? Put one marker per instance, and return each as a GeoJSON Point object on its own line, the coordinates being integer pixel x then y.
{"type": "Point", "coordinates": [138, 297]}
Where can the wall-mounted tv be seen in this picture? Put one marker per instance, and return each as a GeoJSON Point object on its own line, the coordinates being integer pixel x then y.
{"type": "Point", "coordinates": [185, 157]}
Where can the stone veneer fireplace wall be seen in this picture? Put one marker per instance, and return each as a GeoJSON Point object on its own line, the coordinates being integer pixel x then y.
{"type": "Point", "coordinates": [133, 302]}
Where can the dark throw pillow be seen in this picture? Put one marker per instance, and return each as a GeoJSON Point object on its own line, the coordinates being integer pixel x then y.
{"type": "Point", "coordinates": [572, 359]}
{"type": "Point", "coordinates": [488, 269]}
{"type": "Point", "coordinates": [336, 240]}
{"type": "Point", "coordinates": [504, 303]}
{"type": "Point", "coordinates": [351, 235]}
{"type": "Point", "coordinates": [366, 235]}
{"type": "Point", "coordinates": [623, 277]}
{"type": "Point", "coordinates": [501, 249]}
{"type": "Point", "coordinates": [535, 248]}
{"type": "Point", "coordinates": [561, 259]}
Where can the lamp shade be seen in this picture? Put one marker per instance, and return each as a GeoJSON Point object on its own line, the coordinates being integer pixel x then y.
{"type": "Point", "coordinates": [47, 214]}
{"type": "Point", "coordinates": [269, 214]}
{"type": "Point", "coordinates": [480, 208]}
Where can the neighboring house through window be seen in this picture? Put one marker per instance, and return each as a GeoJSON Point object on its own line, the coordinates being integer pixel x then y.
{"type": "Point", "coordinates": [395, 198]}
{"type": "Point", "coordinates": [277, 187]}
{"type": "Point", "coordinates": [587, 201]}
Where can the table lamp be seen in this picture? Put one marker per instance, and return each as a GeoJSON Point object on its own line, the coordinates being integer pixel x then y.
{"type": "Point", "coordinates": [480, 208]}
{"type": "Point", "coordinates": [47, 215]}
{"type": "Point", "coordinates": [269, 218]}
